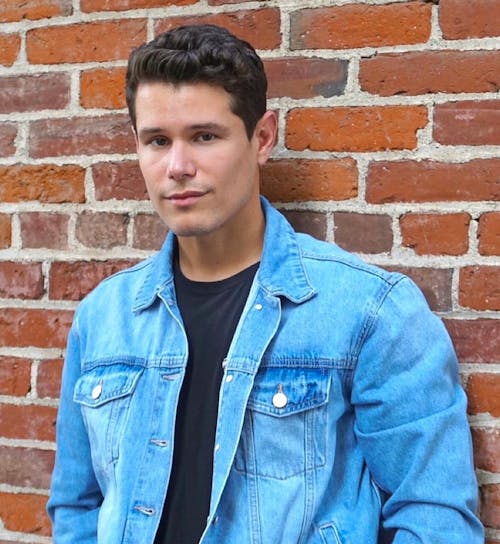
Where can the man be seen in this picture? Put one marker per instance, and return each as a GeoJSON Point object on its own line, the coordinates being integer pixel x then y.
{"type": "Point", "coordinates": [249, 384]}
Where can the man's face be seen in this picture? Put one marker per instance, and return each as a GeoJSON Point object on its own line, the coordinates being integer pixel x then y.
{"type": "Point", "coordinates": [201, 171]}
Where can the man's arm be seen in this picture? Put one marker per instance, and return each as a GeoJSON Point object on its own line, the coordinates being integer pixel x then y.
{"type": "Point", "coordinates": [75, 495]}
{"type": "Point", "coordinates": [411, 423]}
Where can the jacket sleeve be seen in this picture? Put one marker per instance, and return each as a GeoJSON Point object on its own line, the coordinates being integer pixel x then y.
{"type": "Point", "coordinates": [75, 496]}
{"type": "Point", "coordinates": [411, 423]}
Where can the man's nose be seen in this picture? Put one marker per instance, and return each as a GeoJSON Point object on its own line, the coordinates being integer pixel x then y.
{"type": "Point", "coordinates": [180, 163]}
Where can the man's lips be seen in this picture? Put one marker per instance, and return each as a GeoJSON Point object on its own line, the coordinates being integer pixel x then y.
{"type": "Point", "coordinates": [186, 197]}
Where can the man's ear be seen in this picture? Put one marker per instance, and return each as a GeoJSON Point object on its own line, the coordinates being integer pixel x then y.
{"type": "Point", "coordinates": [266, 134]}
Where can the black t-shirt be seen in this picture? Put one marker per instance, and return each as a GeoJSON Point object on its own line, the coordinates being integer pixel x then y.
{"type": "Point", "coordinates": [210, 312]}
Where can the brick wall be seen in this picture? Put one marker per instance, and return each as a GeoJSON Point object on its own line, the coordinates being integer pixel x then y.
{"type": "Point", "coordinates": [390, 126]}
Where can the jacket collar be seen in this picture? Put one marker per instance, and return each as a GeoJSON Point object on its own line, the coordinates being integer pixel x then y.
{"type": "Point", "coordinates": [281, 271]}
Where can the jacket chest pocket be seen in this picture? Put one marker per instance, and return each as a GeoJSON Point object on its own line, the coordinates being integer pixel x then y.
{"type": "Point", "coordinates": [285, 428]}
{"type": "Point", "coordinates": [104, 395]}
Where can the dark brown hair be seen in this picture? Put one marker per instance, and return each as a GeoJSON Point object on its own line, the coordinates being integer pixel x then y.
{"type": "Point", "coordinates": [202, 54]}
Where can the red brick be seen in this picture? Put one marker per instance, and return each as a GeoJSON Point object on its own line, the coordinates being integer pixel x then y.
{"type": "Point", "coordinates": [149, 231]}
{"type": "Point", "coordinates": [72, 281]}
{"type": "Point", "coordinates": [28, 422]}
{"type": "Point", "coordinates": [21, 280]}
{"type": "Point", "coordinates": [120, 180]}
{"type": "Point", "coordinates": [81, 136]}
{"type": "Point", "coordinates": [296, 180]}
{"type": "Point", "coordinates": [5, 231]}
{"type": "Point", "coordinates": [490, 505]}
{"type": "Point", "coordinates": [45, 183]}
{"type": "Point", "coordinates": [44, 230]}
{"type": "Point", "coordinates": [260, 27]}
{"type": "Point", "coordinates": [428, 181]}
{"type": "Point", "coordinates": [462, 19]}
{"type": "Point", "coordinates": [103, 88]}
{"type": "Point", "coordinates": [85, 42]}
{"type": "Point", "coordinates": [479, 287]}
{"type": "Point", "coordinates": [424, 72]}
{"type": "Point", "coordinates": [313, 223]}
{"type": "Point", "coordinates": [483, 392]}
{"type": "Point", "coordinates": [27, 327]}
{"type": "Point", "coordinates": [8, 135]}
{"type": "Point", "coordinates": [306, 78]}
{"type": "Point", "coordinates": [489, 233]}
{"type": "Point", "coordinates": [48, 380]}
{"type": "Point", "coordinates": [31, 93]}
{"type": "Point", "coordinates": [14, 10]}
{"type": "Point", "coordinates": [435, 284]}
{"type": "Point", "coordinates": [102, 230]}
{"type": "Point", "coordinates": [26, 467]}
{"type": "Point", "coordinates": [475, 340]}
{"type": "Point", "coordinates": [355, 128]}
{"type": "Point", "coordinates": [24, 513]}
{"type": "Point", "coordinates": [467, 123]}
{"type": "Point", "coordinates": [436, 234]}
{"type": "Point", "coordinates": [350, 26]}
{"type": "Point", "coordinates": [121, 5]}
{"type": "Point", "coordinates": [15, 378]}
{"type": "Point", "coordinates": [363, 233]}
{"type": "Point", "coordinates": [486, 447]}
{"type": "Point", "coordinates": [10, 44]}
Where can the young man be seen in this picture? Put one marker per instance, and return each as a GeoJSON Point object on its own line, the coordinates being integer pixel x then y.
{"type": "Point", "coordinates": [249, 384]}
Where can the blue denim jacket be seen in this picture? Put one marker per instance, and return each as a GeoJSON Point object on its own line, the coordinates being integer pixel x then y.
{"type": "Point", "coordinates": [366, 442]}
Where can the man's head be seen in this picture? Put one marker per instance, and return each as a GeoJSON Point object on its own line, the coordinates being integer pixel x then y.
{"type": "Point", "coordinates": [202, 54]}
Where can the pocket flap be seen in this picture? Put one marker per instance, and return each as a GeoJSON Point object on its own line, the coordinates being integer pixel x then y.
{"type": "Point", "coordinates": [106, 383]}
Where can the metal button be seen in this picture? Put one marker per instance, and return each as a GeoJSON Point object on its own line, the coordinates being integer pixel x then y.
{"type": "Point", "coordinates": [96, 392]}
{"type": "Point", "coordinates": [280, 400]}
{"type": "Point", "coordinates": [258, 306]}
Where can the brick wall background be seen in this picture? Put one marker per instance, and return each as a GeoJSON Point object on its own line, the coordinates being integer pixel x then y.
{"type": "Point", "coordinates": [390, 131]}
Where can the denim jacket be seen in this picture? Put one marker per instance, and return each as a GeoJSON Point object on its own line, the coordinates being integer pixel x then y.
{"type": "Point", "coordinates": [341, 419]}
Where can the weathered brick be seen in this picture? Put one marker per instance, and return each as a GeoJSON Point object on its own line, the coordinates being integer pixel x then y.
{"type": "Point", "coordinates": [483, 393]}
{"type": "Point", "coordinates": [149, 231]}
{"type": "Point", "coordinates": [120, 180]}
{"type": "Point", "coordinates": [475, 340]}
{"type": "Point", "coordinates": [295, 180]}
{"type": "Point", "coordinates": [44, 230]}
{"type": "Point", "coordinates": [26, 467]}
{"type": "Point", "coordinates": [10, 44]}
{"type": "Point", "coordinates": [479, 287]}
{"type": "Point", "coordinates": [121, 5]}
{"type": "Point", "coordinates": [429, 181]}
{"type": "Point", "coordinates": [102, 230]}
{"type": "Point", "coordinates": [8, 135]}
{"type": "Point", "coordinates": [489, 233]}
{"type": "Point", "coordinates": [26, 327]}
{"type": "Point", "coordinates": [14, 10]}
{"type": "Point", "coordinates": [5, 231]}
{"type": "Point", "coordinates": [467, 123]}
{"type": "Point", "coordinates": [81, 136]}
{"type": "Point", "coordinates": [490, 505]}
{"type": "Point", "coordinates": [72, 281]}
{"type": "Point", "coordinates": [313, 223]}
{"type": "Point", "coordinates": [45, 183]}
{"type": "Point", "coordinates": [103, 88]}
{"type": "Point", "coordinates": [37, 92]}
{"type": "Point", "coordinates": [85, 42]}
{"type": "Point", "coordinates": [350, 26]}
{"type": "Point", "coordinates": [462, 19]}
{"type": "Point", "coordinates": [436, 234]}
{"type": "Point", "coordinates": [23, 512]}
{"type": "Point", "coordinates": [306, 77]}
{"type": "Point", "coordinates": [363, 233]}
{"type": "Point", "coordinates": [48, 380]}
{"type": "Point", "coordinates": [15, 378]}
{"type": "Point", "coordinates": [21, 280]}
{"type": "Point", "coordinates": [423, 72]}
{"type": "Point", "coordinates": [29, 422]}
{"type": "Point", "coordinates": [260, 27]}
{"type": "Point", "coordinates": [373, 128]}
{"type": "Point", "coordinates": [486, 447]}
{"type": "Point", "coordinates": [435, 284]}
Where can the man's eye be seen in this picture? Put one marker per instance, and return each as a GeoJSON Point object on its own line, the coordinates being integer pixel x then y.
{"type": "Point", "coordinates": [205, 137]}
{"type": "Point", "coordinates": [159, 141]}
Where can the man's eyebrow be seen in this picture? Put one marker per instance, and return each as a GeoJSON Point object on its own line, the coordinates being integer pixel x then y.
{"type": "Point", "coordinates": [209, 126]}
